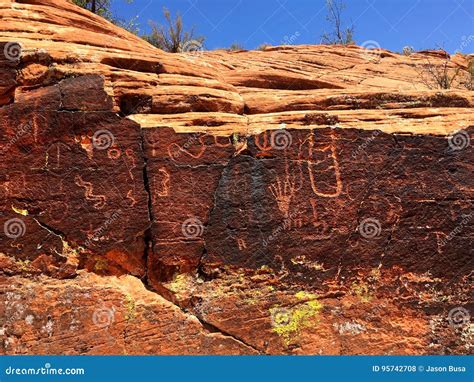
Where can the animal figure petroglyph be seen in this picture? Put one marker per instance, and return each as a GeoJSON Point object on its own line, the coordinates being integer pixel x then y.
{"type": "Point", "coordinates": [98, 199]}
{"type": "Point", "coordinates": [165, 183]}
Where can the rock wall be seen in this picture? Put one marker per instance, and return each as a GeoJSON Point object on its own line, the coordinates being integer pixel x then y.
{"type": "Point", "coordinates": [296, 200]}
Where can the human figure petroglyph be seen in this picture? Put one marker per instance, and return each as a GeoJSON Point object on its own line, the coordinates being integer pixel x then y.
{"type": "Point", "coordinates": [99, 199]}
{"type": "Point", "coordinates": [330, 150]}
{"type": "Point", "coordinates": [242, 244]}
{"type": "Point", "coordinates": [285, 188]}
{"type": "Point", "coordinates": [131, 158]}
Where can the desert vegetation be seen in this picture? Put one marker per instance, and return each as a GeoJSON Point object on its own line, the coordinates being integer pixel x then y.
{"type": "Point", "coordinates": [340, 34]}
{"type": "Point", "coordinates": [172, 37]}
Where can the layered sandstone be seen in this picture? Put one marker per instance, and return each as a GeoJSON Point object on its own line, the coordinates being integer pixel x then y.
{"type": "Point", "coordinates": [300, 199]}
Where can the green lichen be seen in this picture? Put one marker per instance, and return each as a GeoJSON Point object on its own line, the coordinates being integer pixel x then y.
{"type": "Point", "coordinates": [235, 138]}
{"type": "Point", "coordinates": [288, 323]}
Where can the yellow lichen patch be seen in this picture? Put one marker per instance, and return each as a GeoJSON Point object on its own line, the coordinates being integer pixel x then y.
{"type": "Point", "coordinates": [288, 323]}
{"type": "Point", "coordinates": [20, 211]}
{"type": "Point", "coordinates": [361, 290]}
{"type": "Point", "coordinates": [101, 265]}
{"type": "Point", "coordinates": [182, 285]}
{"type": "Point", "coordinates": [129, 304]}
{"type": "Point", "coordinates": [301, 260]}
{"type": "Point", "coordinates": [303, 295]}
{"type": "Point", "coordinates": [24, 265]}
{"type": "Point", "coordinates": [72, 254]}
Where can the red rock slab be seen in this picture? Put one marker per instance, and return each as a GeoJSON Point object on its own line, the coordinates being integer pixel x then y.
{"type": "Point", "coordinates": [100, 315]}
{"type": "Point", "coordinates": [72, 176]}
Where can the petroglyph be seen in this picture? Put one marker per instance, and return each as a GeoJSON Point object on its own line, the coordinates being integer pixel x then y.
{"type": "Point", "coordinates": [131, 158]}
{"type": "Point", "coordinates": [98, 199]}
{"type": "Point", "coordinates": [161, 183]}
{"type": "Point", "coordinates": [53, 156]}
{"type": "Point", "coordinates": [285, 188]}
{"type": "Point", "coordinates": [131, 198]}
{"type": "Point", "coordinates": [242, 244]}
{"type": "Point", "coordinates": [114, 153]}
{"type": "Point", "coordinates": [321, 226]}
{"type": "Point", "coordinates": [175, 150]}
{"type": "Point", "coordinates": [266, 144]}
{"type": "Point", "coordinates": [330, 152]}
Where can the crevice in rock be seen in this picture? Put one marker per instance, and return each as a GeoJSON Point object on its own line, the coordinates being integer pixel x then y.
{"type": "Point", "coordinates": [148, 235]}
{"type": "Point", "coordinates": [214, 329]}
{"type": "Point", "coordinates": [50, 229]}
{"type": "Point", "coordinates": [148, 238]}
{"type": "Point", "coordinates": [210, 328]}
{"type": "Point", "coordinates": [201, 271]}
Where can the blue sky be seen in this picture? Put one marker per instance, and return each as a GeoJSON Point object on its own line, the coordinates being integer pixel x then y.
{"type": "Point", "coordinates": [392, 24]}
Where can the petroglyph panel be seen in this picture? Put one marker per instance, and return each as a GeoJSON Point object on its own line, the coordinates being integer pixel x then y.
{"type": "Point", "coordinates": [62, 186]}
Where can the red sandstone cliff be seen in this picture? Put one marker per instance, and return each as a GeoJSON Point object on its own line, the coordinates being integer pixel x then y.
{"type": "Point", "coordinates": [301, 199]}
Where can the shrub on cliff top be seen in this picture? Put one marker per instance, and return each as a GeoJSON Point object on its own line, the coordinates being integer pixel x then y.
{"type": "Point", "coordinates": [172, 37]}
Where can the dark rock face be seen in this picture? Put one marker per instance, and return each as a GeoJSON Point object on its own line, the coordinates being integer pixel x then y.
{"type": "Point", "coordinates": [321, 200]}
{"type": "Point", "coordinates": [73, 171]}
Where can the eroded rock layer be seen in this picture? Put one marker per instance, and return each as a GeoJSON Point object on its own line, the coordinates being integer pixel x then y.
{"type": "Point", "coordinates": [300, 199]}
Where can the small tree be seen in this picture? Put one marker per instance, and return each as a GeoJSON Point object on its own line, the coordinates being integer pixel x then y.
{"type": "Point", "coordinates": [103, 8]}
{"type": "Point", "coordinates": [469, 81]}
{"type": "Point", "coordinates": [439, 76]}
{"type": "Point", "coordinates": [340, 35]}
{"type": "Point", "coordinates": [172, 37]}
{"type": "Point", "coordinates": [99, 7]}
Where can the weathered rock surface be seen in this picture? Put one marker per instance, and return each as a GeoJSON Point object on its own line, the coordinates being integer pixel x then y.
{"type": "Point", "coordinates": [301, 199]}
